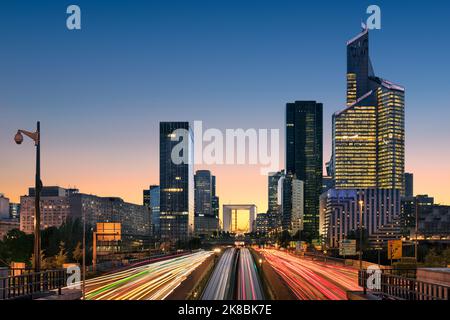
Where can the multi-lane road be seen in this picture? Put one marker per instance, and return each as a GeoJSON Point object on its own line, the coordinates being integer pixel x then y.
{"type": "Point", "coordinates": [220, 285]}
{"type": "Point", "coordinates": [235, 277]}
{"type": "Point", "coordinates": [248, 285]}
{"type": "Point", "coordinates": [312, 280]}
{"type": "Point", "coordinates": [154, 281]}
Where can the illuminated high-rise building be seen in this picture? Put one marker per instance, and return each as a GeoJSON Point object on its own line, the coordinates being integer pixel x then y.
{"type": "Point", "coordinates": [176, 177]}
{"type": "Point", "coordinates": [215, 201]}
{"type": "Point", "coordinates": [292, 204]}
{"type": "Point", "coordinates": [206, 215]}
{"type": "Point", "coordinates": [369, 134]}
{"type": "Point", "coordinates": [151, 201]}
{"type": "Point", "coordinates": [390, 135]}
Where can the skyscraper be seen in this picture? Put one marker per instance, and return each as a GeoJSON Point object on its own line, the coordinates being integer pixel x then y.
{"type": "Point", "coordinates": [215, 201]}
{"type": "Point", "coordinates": [203, 193]}
{"type": "Point", "coordinates": [369, 134]}
{"type": "Point", "coordinates": [292, 204]}
{"type": "Point", "coordinates": [153, 204]}
{"type": "Point", "coordinates": [273, 211]}
{"type": "Point", "coordinates": [304, 144]}
{"type": "Point", "coordinates": [206, 220]}
{"type": "Point", "coordinates": [409, 184]}
{"type": "Point", "coordinates": [176, 181]}
{"type": "Point", "coordinates": [151, 201]}
{"type": "Point", "coordinates": [368, 154]}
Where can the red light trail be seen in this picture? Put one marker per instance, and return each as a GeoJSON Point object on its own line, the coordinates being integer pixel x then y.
{"type": "Point", "coordinates": [312, 280]}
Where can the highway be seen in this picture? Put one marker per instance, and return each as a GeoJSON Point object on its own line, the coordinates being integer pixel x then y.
{"type": "Point", "coordinates": [154, 281]}
{"type": "Point", "coordinates": [220, 286]}
{"type": "Point", "coordinates": [248, 286]}
{"type": "Point", "coordinates": [311, 280]}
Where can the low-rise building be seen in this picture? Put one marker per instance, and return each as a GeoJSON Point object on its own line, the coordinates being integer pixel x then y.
{"type": "Point", "coordinates": [59, 204]}
{"type": "Point", "coordinates": [54, 207]}
{"type": "Point", "coordinates": [4, 207]}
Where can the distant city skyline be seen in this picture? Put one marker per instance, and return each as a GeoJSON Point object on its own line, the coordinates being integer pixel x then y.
{"type": "Point", "coordinates": [101, 93]}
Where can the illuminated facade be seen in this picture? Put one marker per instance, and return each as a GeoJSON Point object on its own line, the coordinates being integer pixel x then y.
{"type": "Point", "coordinates": [369, 134]}
{"type": "Point", "coordinates": [176, 181]}
{"type": "Point", "coordinates": [292, 204]}
{"type": "Point", "coordinates": [262, 223]}
{"type": "Point", "coordinates": [151, 201]}
{"type": "Point", "coordinates": [60, 204]}
{"type": "Point", "coordinates": [154, 210]}
{"type": "Point", "coordinates": [355, 147]}
{"type": "Point", "coordinates": [206, 217]}
{"type": "Point", "coordinates": [391, 135]}
{"type": "Point", "coordinates": [55, 209]}
{"type": "Point", "coordinates": [341, 211]}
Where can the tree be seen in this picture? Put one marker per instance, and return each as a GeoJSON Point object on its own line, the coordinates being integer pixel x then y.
{"type": "Point", "coordinates": [77, 253]}
{"type": "Point", "coordinates": [16, 246]}
{"type": "Point", "coordinates": [355, 235]}
{"type": "Point", "coordinates": [45, 263]}
{"type": "Point", "coordinates": [194, 243]}
{"type": "Point", "coordinates": [433, 259]}
{"type": "Point", "coordinates": [61, 257]}
{"type": "Point", "coordinates": [284, 239]}
{"type": "Point", "coordinates": [446, 255]}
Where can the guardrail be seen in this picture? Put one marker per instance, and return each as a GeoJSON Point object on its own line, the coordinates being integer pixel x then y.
{"type": "Point", "coordinates": [391, 286]}
{"type": "Point", "coordinates": [28, 284]}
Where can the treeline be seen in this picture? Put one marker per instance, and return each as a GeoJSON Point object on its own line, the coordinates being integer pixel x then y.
{"type": "Point", "coordinates": [58, 246]}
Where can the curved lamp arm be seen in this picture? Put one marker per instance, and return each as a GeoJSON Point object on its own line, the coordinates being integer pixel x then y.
{"type": "Point", "coordinates": [32, 135]}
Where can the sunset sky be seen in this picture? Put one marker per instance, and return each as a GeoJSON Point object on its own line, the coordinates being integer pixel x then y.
{"type": "Point", "coordinates": [101, 92]}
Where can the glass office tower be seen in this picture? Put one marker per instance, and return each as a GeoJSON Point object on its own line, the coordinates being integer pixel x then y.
{"type": "Point", "coordinates": [206, 215]}
{"type": "Point", "coordinates": [215, 201]}
{"type": "Point", "coordinates": [369, 134]}
{"type": "Point", "coordinates": [304, 146]}
{"type": "Point", "coordinates": [176, 181]}
{"type": "Point", "coordinates": [154, 204]}
{"type": "Point", "coordinates": [273, 208]}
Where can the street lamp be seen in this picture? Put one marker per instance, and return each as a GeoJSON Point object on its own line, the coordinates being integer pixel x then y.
{"type": "Point", "coordinates": [84, 257]}
{"type": "Point", "coordinates": [35, 136]}
{"type": "Point", "coordinates": [361, 203]}
{"type": "Point", "coordinates": [416, 202]}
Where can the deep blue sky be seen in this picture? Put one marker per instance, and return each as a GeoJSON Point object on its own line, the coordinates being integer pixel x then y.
{"type": "Point", "coordinates": [229, 63]}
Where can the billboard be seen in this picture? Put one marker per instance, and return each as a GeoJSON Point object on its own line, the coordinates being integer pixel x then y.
{"type": "Point", "coordinates": [109, 231]}
{"type": "Point", "coordinates": [394, 249]}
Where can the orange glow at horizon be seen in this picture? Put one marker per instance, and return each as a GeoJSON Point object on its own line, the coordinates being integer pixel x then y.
{"type": "Point", "coordinates": [124, 175]}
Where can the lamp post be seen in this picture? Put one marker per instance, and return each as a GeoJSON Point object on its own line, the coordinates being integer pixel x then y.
{"type": "Point", "coordinates": [361, 203]}
{"type": "Point", "coordinates": [416, 255]}
{"type": "Point", "coordinates": [84, 256]}
{"type": "Point", "coordinates": [35, 136]}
